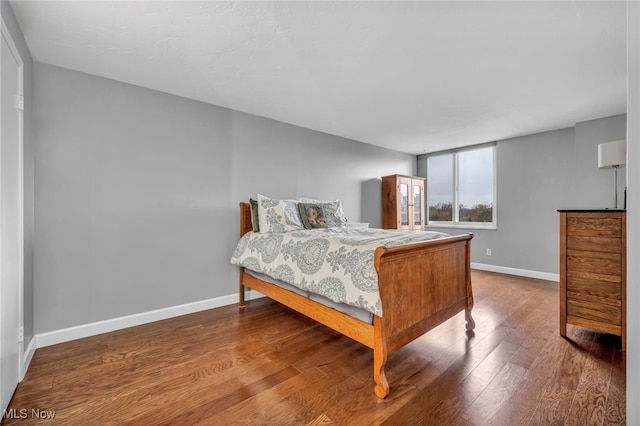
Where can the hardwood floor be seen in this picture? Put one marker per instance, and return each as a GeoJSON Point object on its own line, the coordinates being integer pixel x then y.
{"type": "Point", "coordinates": [269, 365]}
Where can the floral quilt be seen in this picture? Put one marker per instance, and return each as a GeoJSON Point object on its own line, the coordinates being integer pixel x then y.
{"type": "Point", "coordinates": [336, 263]}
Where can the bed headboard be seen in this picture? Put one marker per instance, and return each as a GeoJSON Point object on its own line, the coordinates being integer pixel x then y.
{"type": "Point", "coordinates": [245, 218]}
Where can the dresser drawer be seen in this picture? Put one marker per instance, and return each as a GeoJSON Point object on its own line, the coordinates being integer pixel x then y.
{"type": "Point", "coordinates": [594, 225]}
{"type": "Point", "coordinates": [607, 290]}
{"type": "Point", "coordinates": [600, 244]}
{"type": "Point", "coordinates": [594, 263]}
{"type": "Point", "coordinates": [608, 314]}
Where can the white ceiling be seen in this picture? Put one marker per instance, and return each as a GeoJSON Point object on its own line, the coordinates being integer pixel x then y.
{"type": "Point", "coordinates": [411, 76]}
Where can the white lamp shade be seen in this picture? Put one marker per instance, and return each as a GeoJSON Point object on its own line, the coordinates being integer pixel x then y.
{"type": "Point", "coordinates": [612, 154]}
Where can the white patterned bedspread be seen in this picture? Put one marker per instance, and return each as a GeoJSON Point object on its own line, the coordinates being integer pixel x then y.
{"type": "Point", "coordinates": [334, 262]}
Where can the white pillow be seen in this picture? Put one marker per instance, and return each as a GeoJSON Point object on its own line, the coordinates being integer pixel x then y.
{"type": "Point", "coordinates": [332, 208]}
{"type": "Point", "coordinates": [278, 215]}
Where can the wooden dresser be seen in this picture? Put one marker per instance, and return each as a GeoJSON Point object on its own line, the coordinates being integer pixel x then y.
{"type": "Point", "coordinates": [593, 271]}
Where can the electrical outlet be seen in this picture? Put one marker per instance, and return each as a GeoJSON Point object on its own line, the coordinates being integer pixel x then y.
{"type": "Point", "coordinates": [488, 252]}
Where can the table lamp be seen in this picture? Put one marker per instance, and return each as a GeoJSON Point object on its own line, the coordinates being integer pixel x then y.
{"type": "Point", "coordinates": [612, 155]}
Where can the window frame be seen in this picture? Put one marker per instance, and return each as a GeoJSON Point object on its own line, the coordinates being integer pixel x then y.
{"type": "Point", "coordinates": [455, 223]}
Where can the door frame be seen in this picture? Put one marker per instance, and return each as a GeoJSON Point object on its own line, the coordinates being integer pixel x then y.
{"type": "Point", "coordinates": [4, 33]}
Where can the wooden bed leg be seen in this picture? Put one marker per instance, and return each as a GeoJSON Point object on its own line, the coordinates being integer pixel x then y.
{"type": "Point", "coordinates": [471, 324]}
{"type": "Point", "coordinates": [241, 303]}
{"type": "Point", "coordinates": [379, 360]}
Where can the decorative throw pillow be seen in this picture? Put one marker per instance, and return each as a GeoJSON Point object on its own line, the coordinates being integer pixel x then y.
{"type": "Point", "coordinates": [333, 211]}
{"type": "Point", "coordinates": [312, 215]}
{"type": "Point", "coordinates": [255, 221]}
{"type": "Point", "coordinates": [278, 215]}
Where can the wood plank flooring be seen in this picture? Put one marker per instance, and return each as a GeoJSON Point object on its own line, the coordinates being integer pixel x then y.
{"type": "Point", "coordinates": [268, 365]}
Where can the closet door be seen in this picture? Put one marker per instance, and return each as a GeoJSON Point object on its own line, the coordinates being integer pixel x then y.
{"type": "Point", "coordinates": [10, 218]}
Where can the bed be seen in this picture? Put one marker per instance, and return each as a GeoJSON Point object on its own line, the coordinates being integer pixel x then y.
{"type": "Point", "coordinates": [420, 286]}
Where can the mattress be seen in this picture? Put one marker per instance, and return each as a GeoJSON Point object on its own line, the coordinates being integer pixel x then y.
{"type": "Point", "coordinates": [337, 263]}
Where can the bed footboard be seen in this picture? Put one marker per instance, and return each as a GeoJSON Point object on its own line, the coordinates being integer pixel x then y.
{"type": "Point", "coordinates": [421, 286]}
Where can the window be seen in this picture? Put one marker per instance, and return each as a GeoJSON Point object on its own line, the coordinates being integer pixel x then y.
{"type": "Point", "coordinates": [461, 188]}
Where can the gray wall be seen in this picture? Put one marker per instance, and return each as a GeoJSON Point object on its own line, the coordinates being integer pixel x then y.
{"type": "Point", "coordinates": [137, 193]}
{"type": "Point", "coordinates": [28, 153]}
{"type": "Point", "coordinates": [536, 175]}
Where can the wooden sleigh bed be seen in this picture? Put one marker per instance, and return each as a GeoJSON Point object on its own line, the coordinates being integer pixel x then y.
{"type": "Point", "coordinates": [421, 285]}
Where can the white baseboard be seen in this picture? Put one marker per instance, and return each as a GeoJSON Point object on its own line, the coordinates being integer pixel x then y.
{"type": "Point", "coordinates": [28, 356]}
{"type": "Point", "coordinates": [42, 340]}
{"type": "Point", "coordinates": [514, 271]}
